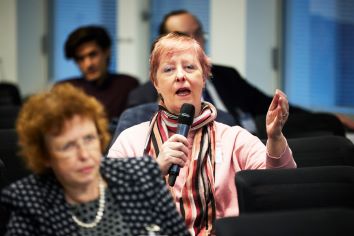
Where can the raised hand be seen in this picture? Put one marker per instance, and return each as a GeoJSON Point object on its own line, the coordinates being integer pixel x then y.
{"type": "Point", "coordinates": [277, 115]}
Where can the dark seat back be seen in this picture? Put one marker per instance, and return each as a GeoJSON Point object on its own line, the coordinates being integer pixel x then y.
{"type": "Point", "coordinates": [14, 167]}
{"type": "Point", "coordinates": [322, 151]}
{"type": "Point", "coordinates": [9, 94]}
{"type": "Point", "coordinates": [290, 189]}
{"type": "Point", "coordinates": [309, 222]}
{"type": "Point", "coordinates": [8, 116]}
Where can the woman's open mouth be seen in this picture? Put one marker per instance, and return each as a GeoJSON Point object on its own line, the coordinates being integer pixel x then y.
{"type": "Point", "coordinates": [183, 92]}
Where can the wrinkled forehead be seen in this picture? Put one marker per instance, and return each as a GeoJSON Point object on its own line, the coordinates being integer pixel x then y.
{"type": "Point", "coordinates": [188, 53]}
{"type": "Point", "coordinates": [170, 48]}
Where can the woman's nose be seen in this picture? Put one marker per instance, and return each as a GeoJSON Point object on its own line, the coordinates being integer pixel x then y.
{"type": "Point", "coordinates": [82, 151]}
{"type": "Point", "coordinates": [180, 75]}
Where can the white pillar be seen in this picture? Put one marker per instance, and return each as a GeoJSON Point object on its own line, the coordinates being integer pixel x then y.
{"type": "Point", "coordinates": [228, 33]}
{"type": "Point", "coordinates": [8, 41]}
{"type": "Point", "coordinates": [133, 38]}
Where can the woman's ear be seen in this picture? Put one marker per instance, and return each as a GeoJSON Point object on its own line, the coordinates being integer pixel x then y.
{"type": "Point", "coordinates": [156, 85]}
{"type": "Point", "coordinates": [204, 82]}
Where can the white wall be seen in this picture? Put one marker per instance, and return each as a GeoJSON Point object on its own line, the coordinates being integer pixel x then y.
{"type": "Point", "coordinates": [8, 41]}
{"type": "Point", "coordinates": [133, 38]}
{"type": "Point", "coordinates": [261, 37]}
{"type": "Point", "coordinates": [242, 35]}
{"type": "Point", "coordinates": [22, 25]}
{"type": "Point", "coordinates": [227, 33]}
{"type": "Point", "coordinates": [32, 56]}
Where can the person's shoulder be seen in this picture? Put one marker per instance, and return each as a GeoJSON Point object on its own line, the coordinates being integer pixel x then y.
{"type": "Point", "coordinates": [229, 135]}
{"type": "Point", "coordinates": [142, 94]}
{"type": "Point", "coordinates": [75, 81]}
{"type": "Point", "coordinates": [122, 76]}
{"type": "Point", "coordinates": [137, 129]}
{"type": "Point", "coordinates": [146, 87]}
{"type": "Point", "coordinates": [70, 80]}
{"type": "Point", "coordinates": [132, 136]}
{"type": "Point", "coordinates": [222, 127]}
{"type": "Point", "coordinates": [146, 110]}
{"type": "Point", "coordinates": [217, 67]}
{"type": "Point", "coordinates": [129, 165]}
{"type": "Point", "coordinates": [224, 130]}
{"type": "Point", "coordinates": [131, 169]}
{"type": "Point", "coordinates": [27, 186]}
{"type": "Point", "coordinates": [225, 73]}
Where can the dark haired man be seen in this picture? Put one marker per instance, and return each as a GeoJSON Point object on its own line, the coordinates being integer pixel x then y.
{"type": "Point", "coordinates": [90, 48]}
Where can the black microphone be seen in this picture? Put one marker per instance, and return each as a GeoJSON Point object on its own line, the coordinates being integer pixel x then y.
{"type": "Point", "coordinates": [185, 120]}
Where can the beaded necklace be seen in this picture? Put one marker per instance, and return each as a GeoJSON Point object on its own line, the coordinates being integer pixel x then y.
{"type": "Point", "coordinates": [100, 211]}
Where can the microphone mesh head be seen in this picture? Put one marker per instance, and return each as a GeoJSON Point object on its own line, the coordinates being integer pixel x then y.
{"type": "Point", "coordinates": [186, 114]}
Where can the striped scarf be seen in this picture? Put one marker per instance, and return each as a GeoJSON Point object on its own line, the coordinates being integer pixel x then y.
{"type": "Point", "coordinates": [197, 204]}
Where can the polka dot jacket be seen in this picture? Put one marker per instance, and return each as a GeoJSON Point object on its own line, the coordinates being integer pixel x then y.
{"type": "Point", "coordinates": [37, 205]}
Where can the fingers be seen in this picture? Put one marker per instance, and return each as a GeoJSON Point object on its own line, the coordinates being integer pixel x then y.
{"type": "Point", "coordinates": [277, 115]}
{"type": "Point", "coordinates": [173, 151]}
{"type": "Point", "coordinates": [283, 111]}
{"type": "Point", "coordinates": [280, 101]}
{"type": "Point", "coordinates": [178, 138]}
{"type": "Point", "coordinates": [273, 105]}
{"type": "Point", "coordinates": [279, 109]}
{"type": "Point", "coordinates": [280, 93]}
{"type": "Point", "coordinates": [178, 152]}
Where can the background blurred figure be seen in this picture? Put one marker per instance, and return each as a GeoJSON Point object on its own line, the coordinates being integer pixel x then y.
{"type": "Point", "coordinates": [213, 152]}
{"type": "Point", "coordinates": [226, 89]}
{"type": "Point", "coordinates": [90, 47]}
{"type": "Point", "coordinates": [62, 134]}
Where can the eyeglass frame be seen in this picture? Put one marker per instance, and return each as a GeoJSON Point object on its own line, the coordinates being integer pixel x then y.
{"type": "Point", "coordinates": [71, 147]}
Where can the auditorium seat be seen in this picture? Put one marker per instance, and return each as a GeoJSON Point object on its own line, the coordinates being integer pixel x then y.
{"type": "Point", "coordinates": [9, 94]}
{"type": "Point", "coordinates": [307, 222]}
{"type": "Point", "coordinates": [322, 151]}
{"type": "Point", "coordinates": [14, 167]}
{"type": "Point", "coordinates": [8, 116]}
{"type": "Point", "coordinates": [291, 189]}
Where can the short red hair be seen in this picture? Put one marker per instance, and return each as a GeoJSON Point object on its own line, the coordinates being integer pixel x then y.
{"type": "Point", "coordinates": [176, 42]}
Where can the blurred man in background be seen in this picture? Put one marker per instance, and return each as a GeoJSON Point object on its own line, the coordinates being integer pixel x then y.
{"type": "Point", "coordinates": [90, 47]}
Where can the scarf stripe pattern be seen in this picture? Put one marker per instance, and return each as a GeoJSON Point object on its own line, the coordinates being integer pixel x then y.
{"type": "Point", "coordinates": [197, 204]}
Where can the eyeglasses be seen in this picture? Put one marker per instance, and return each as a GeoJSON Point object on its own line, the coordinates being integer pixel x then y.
{"type": "Point", "coordinates": [88, 142]}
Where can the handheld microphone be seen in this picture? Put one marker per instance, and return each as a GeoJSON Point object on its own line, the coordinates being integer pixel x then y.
{"type": "Point", "coordinates": [185, 120]}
